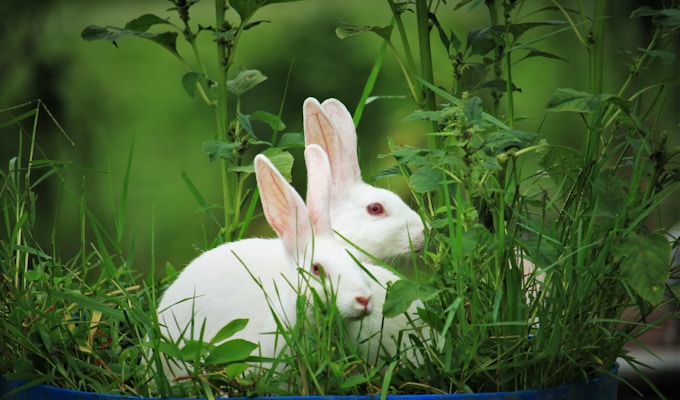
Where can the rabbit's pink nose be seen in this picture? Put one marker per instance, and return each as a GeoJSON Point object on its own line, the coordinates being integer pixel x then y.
{"type": "Point", "coordinates": [364, 301]}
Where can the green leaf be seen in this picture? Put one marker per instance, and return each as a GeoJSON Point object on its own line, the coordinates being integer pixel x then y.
{"type": "Point", "coordinates": [166, 39]}
{"type": "Point", "coordinates": [446, 39]}
{"type": "Point", "coordinates": [346, 30]}
{"type": "Point", "coordinates": [33, 275]}
{"type": "Point", "coordinates": [247, 8]}
{"type": "Point", "coordinates": [171, 272]}
{"type": "Point", "coordinates": [292, 140]}
{"type": "Point", "coordinates": [566, 99]}
{"type": "Point", "coordinates": [412, 155]}
{"type": "Point", "coordinates": [191, 349]}
{"type": "Point", "coordinates": [235, 369]}
{"type": "Point", "coordinates": [144, 22]}
{"type": "Point", "coordinates": [169, 349]}
{"type": "Point", "coordinates": [95, 32]}
{"type": "Point", "coordinates": [473, 110]}
{"type": "Point", "coordinates": [582, 102]}
{"type": "Point", "coordinates": [236, 350]}
{"type": "Point", "coordinates": [245, 80]}
{"type": "Point", "coordinates": [668, 16]}
{"type": "Point", "coordinates": [190, 80]}
{"type": "Point", "coordinates": [543, 54]}
{"type": "Point", "coordinates": [644, 11]}
{"type": "Point", "coordinates": [388, 172]}
{"type": "Point", "coordinates": [270, 119]}
{"type": "Point", "coordinates": [244, 122]}
{"type": "Point", "coordinates": [504, 139]}
{"type": "Point", "coordinates": [475, 4]}
{"type": "Point", "coordinates": [482, 41]}
{"type": "Point", "coordinates": [402, 293]}
{"type": "Point", "coordinates": [498, 85]}
{"type": "Point", "coordinates": [666, 57]}
{"type": "Point", "coordinates": [645, 264]}
{"type": "Point", "coordinates": [219, 149]}
{"type": "Point", "coordinates": [518, 30]}
{"type": "Point", "coordinates": [426, 179]}
{"type": "Point", "coordinates": [282, 160]}
{"type": "Point", "coordinates": [229, 330]}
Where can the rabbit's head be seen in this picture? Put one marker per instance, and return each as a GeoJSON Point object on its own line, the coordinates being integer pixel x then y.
{"type": "Point", "coordinates": [307, 236]}
{"type": "Point", "coordinates": [374, 219]}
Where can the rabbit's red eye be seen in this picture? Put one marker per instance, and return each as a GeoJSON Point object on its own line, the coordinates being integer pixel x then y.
{"type": "Point", "coordinates": [317, 269]}
{"type": "Point", "coordinates": [375, 209]}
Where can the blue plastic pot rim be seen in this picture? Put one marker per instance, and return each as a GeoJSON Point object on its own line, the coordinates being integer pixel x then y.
{"type": "Point", "coordinates": [56, 393]}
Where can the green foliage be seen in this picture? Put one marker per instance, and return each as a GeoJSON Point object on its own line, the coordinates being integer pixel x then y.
{"type": "Point", "coordinates": [88, 322]}
{"type": "Point", "coordinates": [235, 136]}
{"type": "Point", "coordinates": [320, 357]}
{"type": "Point", "coordinates": [534, 263]}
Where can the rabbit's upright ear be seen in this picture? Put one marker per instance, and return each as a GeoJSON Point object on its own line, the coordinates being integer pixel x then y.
{"type": "Point", "coordinates": [283, 207]}
{"type": "Point", "coordinates": [318, 189]}
{"type": "Point", "coordinates": [334, 132]}
{"type": "Point", "coordinates": [343, 123]}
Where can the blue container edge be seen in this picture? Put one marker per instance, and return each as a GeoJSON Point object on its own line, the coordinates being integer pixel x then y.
{"type": "Point", "coordinates": [604, 384]}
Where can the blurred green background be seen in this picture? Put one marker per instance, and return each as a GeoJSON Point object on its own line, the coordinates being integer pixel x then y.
{"type": "Point", "coordinates": [114, 100]}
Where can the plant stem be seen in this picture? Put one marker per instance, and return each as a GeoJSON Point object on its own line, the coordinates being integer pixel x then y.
{"type": "Point", "coordinates": [498, 55]}
{"type": "Point", "coordinates": [428, 103]}
{"type": "Point", "coordinates": [509, 101]}
{"type": "Point", "coordinates": [596, 48]}
{"type": "Point", "coordinates": [221, 117]}
{"type": "Point", "coordinates": [612, 112]}
{"type": "Point", "coordinates": [595, 82]}
{"type": "Point", "coordinates": [403, 37]}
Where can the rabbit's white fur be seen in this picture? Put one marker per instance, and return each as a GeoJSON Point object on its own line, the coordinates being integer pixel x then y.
{"type": "Point", "coordinates": [218, 286]}
{"type": "Point", "coordinates": [393, 232]}
{"type": "Point", "coordinates": [378, 336]}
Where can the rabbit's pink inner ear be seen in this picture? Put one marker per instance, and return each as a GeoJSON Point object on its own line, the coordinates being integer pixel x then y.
{"type": "Point", "coordinates": [344, 129]}
{"type": "Point", "coordinates": [320, 131]}
{"type": "Point", "coordinates": [318, 189]}
{"type": "Point", "coordinates": [283, 208]}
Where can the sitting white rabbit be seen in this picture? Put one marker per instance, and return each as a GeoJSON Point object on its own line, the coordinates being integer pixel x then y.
{"type": "Point", "coordinates": [375, 220]}
{"type": "Point", "coordinates": [220, 284]}
{"type": "Point", "coordinates": [245, 279]}
{"type": "Point", "coordinates": [377, 336]}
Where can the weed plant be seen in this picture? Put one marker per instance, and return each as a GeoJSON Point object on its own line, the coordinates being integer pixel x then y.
{"type": "Point", "coordinates": [542, 261]}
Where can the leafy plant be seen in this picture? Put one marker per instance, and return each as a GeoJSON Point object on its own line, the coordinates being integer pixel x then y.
{"type": "Point", "coordinates": [534, 273]}
{"type": "Point", "coordinates": [234, 131]}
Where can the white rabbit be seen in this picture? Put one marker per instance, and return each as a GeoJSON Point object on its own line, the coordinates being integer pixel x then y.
{"type": "Point", "coordinates": [219, 285]}
{"type": "Point", "coordinates": [374, 219]}
{"type": "Point", "coordinates": [377, 336]}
